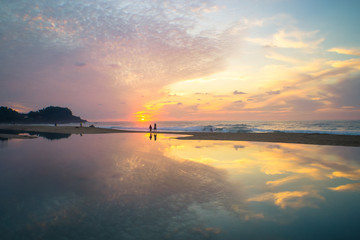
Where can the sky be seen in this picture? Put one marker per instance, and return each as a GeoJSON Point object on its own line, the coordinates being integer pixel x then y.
{"type": "Point", "coordinates": [155, 60]}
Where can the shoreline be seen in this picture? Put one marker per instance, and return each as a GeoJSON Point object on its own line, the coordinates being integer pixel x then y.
{"type": "Point", "coordinates": [276, 137]}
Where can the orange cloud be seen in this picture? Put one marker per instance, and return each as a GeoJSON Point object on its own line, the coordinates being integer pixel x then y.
{"type": "Point", "coordinates": [293, 199]}
{"type": "Point", "coordinates": [282, 181]}
{"type": "Point", "coordinates": [350, 63]}
{"type": "Point", "coordinates": [353, 175]}
{"type": "Point", "coordinates": [347, 187]}
{"type": "Point", "coordinates": [355, 52]}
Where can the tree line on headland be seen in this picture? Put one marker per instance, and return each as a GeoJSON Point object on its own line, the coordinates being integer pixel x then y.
{"type": "Point", "coordinates": [46, 115]}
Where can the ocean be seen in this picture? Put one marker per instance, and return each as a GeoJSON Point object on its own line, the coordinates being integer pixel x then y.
{"type": "Point", "coordinates": [328, 127]}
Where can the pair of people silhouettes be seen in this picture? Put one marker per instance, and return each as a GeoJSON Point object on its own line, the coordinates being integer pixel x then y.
{"type": "Point", "coordinates": [155, 130]}
{"type": "Point", "coordinates": [151, 128]}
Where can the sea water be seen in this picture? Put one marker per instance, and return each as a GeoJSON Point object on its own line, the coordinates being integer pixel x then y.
{"type": "Point", "coordinates": [152, 186]}
{"type": "Point", "coordinates": [329, 127]}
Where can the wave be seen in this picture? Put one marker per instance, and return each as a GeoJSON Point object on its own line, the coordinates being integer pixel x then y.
{"type": "Point", "coordinates": [320, 127]}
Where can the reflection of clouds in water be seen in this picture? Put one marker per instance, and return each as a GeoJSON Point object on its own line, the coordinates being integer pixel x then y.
{"type": "Point", "coordinates": [160, 191]}
{"type": "Point", "coordinates": [125, 187]}
{"type": "Point", "coordinates": [303, 161]}
{"type": "Point", "coordinates": [238, 147]}
{"type": "Point", "coordinates": [290, 172]}
{"type": "Point", "coordinates": [139, 196]}
{"type": "Point", "coordinates": [159, 178]}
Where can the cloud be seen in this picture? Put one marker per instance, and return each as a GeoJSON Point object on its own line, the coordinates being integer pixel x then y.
{"type": "Point", "coordinates": [234, 106]}
{"type": "Point", "coordinates": [273, 92]}
{"type": "Point", "coordinates": [344, 93]}
{"type": "Point", "coordinates": [290, 39]}
{"type": "Point", "coordinates": [350, 174]}
{"type": "Point", "coordinates": [293, 199]}
{"type": "Point", "coordinates": [278, 20]}
{"type": "Point", "coordinates": [355, 52]}
{"type": "Point", "coordinates": [113, 51]}
{"type": "Point", "coordinates": [282, 181]}
{"type": "Point", "coordinates": [19, 107]}
{"type": "Point", "coordinates": [205, 7]}
{"type": "Point", "coordinates": [179, 111]}
{"type": "Point", "coordinates": [350, 63]}
{"type": "Point", "coordinates": [80, 64]}
{"type": "Point", "coordinates": [347, 187]}
{"type": "Point", "coordinates": [207, 232]}
{"type": "Point", "coordinates": [282, 58]}
{"type": "Point", "coordinates": [300, 104]}
{"type": "Point", "coordinates": [296, 39]}
{"type": "Point", "coordinates": [236, 92]}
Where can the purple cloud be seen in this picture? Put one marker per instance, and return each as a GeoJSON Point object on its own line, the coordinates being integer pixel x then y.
{"type": "Point", "coordinates": [236, 92]}
{"type": "Point", "coordinates": [129, 50]}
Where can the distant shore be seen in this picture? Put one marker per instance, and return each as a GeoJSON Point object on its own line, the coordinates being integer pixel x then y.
{"type": "Point", "coordinates": [300, 138]}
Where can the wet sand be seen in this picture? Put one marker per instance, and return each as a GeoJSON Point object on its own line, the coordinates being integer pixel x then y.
{"type": "Point", "coordinates": [59, 129]}
{"type": "Point", "coordinates": [15, 136]}
{"type": "Point", "coordinates": [301, 138]}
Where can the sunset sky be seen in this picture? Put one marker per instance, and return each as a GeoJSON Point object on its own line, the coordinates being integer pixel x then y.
{"type": "Point", "coordinates": [182, 60]}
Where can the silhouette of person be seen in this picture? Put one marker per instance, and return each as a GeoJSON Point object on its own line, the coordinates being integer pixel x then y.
{"type": "Point", "coordinates": [150, 128]}
{"type": "Point", "coordinates": [155, 127]}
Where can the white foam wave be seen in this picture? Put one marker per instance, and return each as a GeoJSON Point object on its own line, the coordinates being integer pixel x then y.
{"type": "Point", "coordinates": [341, 127]}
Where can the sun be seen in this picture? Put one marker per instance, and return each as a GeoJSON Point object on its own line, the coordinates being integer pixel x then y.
{"type": "Point", "coordinates": [142, 116]}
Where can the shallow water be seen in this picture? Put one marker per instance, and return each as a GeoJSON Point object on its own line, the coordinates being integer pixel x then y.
{"type": "Point", "coordinates": [128, 186]}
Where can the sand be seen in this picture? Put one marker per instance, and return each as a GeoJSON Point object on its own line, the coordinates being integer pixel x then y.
{"type": "Point", "coordinates": [301, 138]}
{"type": "Point", "coordinates": [58, 129]}
{"type": "Point", "coordinates": [16, 136]}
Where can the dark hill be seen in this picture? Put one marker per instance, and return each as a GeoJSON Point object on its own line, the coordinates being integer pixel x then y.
{"type": "Point", "coordinates": [46, 115]}
{"type": "Point", "coordinates": [8, 115]}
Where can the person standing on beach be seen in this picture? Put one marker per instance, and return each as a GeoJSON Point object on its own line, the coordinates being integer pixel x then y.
{"type": "Point", "coordinates": [155, 127]}
{"type": "Point", "coordinates": [150, 128]}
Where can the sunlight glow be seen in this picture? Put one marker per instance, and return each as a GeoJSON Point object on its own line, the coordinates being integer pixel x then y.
{"type": "Point", "coordinates": [142, 116]}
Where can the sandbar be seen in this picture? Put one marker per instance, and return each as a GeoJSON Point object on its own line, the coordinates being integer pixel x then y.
{"type": "Point", "coordinates": [278, 137]}
{"type": "Point", "coordinates": [58, 129]}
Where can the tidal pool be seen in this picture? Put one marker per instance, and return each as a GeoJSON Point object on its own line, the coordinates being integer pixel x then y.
{"type": "Point", "coordinates": [138, 186]}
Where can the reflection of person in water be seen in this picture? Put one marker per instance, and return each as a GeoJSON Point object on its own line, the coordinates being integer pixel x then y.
{"type": "Point", "coordinates": [150, 136]}
{"type": "Point", "coordinates": [150, 128]}
{"type": "Point", "coordinates": [155, 127]}
{"type": "Point", "coordinates": [155, 135]}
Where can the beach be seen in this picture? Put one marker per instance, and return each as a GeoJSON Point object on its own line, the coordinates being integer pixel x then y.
{"type": "Point", "coordinates": [278, 137]}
